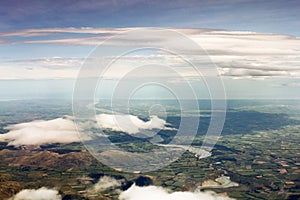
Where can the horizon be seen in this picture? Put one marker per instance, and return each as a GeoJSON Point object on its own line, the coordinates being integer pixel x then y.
{"type": "Point", "coordinates": [254, 45]}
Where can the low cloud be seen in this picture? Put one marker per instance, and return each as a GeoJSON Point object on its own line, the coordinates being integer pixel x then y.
{"type": "Point", "coordinates": [154, 192]}
{"type": "Point", "coordinates": [105, 183]}
{"type": "Point", "coordinates": [63, 130]}
{"type": "Point", "coordinates": [130, 124]}
{"type": "Point", "coordinates": [38, 194]}
{"type": "Point", "coordinates": [59, 130]}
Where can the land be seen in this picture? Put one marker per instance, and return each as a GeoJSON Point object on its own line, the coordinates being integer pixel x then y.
{"type": "Point", "coordinates": [259, 151]}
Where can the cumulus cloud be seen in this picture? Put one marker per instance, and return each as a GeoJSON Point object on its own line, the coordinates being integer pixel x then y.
{"type": "Point", "coordinates": [130, 124]}
{"type": "Point", "coordinates": [38, 194]}
{"type": "Point", "coordinates": [59, 130]}
{"type": "Point", "coordinates": [154, 192]}
{"type": "Point", "coordinates": [104, 183]}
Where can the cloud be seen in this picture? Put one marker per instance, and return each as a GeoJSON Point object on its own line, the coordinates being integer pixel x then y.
{"type": "Point", "coordinates": [36, 73]}
{"type": "Point", "coordinates": [85, 35]}
{"type": "Point", "coordinates": [62, 131]}
{"type": "Point", "coordinates": [154, 192]}
{"type": "Point", "coordinates": [91, 40]}
{"type": "Point", "coordinates": [244, 72]}
{"type": "Point", "coordinates": [130, 124]}
{"type": "Point", "coordinates": [51, 62]}
{"type": "Point", "coordinates": [252, 55]}
{"type": "Point", "coordinates": [41, 68]}
{"type": "Point", "coordinates": [104, 183]}
{"type": "Point", "coordinates": [59, 130]}
{"type": "Point", "coordinates": [237, 54]}
{"type": "Point", "coordinates": [50, 31]}
{"type": "Point", "coordinates": [38, 194]}
{"type": "Point", "coordinates": [150, 192]}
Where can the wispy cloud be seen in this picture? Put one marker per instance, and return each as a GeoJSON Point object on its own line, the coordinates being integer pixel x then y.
{"type": "Point", "coordinates": [50, 31]}
{"type": "Point", "coordinates": [104, 183]}
{"type": "Point", "coordinates": [51, 62]}
{"type": "Point", "coordinates": [237, 54]}
{"type": "Point", "coordinates": [83, 36]}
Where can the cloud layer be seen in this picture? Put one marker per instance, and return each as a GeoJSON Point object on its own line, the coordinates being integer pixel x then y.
{"type": "Point", "coordinates": [38, 194]}
{"type": "Point", "coordinates": [59, 130]}
{"type": "Point", "coordinates": [237, 54]}
{"type": "Point", "coordinates": [154, 192]}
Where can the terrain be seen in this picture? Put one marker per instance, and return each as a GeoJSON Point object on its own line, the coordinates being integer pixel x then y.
{"type": "Point", "coordinates": [256, 157]}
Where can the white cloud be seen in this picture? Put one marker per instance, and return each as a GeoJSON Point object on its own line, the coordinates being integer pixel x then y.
{"type": "Point", "coordinates": [236, 53]}
{"type": "Point", "coordinates": [63, 130]}
{"type": "Point", "coordinates": [130, 123]}
{"type": "Point", "coordinates": [104, 183]}
{"type": "Point", "coordinates": [251, 55]}
{"type": "Point", "coordinates": [60, 130]}
{"type": "Point", "coordinates": [39, 194]}
{"type": "Point", "coordinates": [92, 36]}
{"type": "Point", "coordinates": [154, 192]}
{"type": "Point", "coordinates": [49, 31]}
{"type": "Point", "coordinates": [244, 72]}
{"type": "Point", "coordinates": [51, 62]}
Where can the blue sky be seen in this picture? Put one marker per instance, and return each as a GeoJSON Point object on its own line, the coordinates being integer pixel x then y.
{"type": "Point", "coordinates": [272, 16]}
{"type": "Point", "coordinates": [254, 44]}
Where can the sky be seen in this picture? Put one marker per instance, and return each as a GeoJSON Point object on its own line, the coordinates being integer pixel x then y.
{"type": "Point", "coordinates": [271, 16]}
{"type": "Point", "coordinates": [255, 45]}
